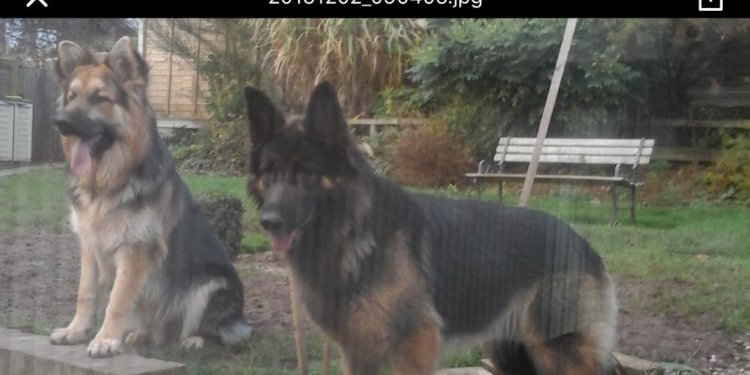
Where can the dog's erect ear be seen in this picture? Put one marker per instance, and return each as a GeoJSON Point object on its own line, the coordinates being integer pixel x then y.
{"type": "Point", "coordinates": [324, 119]}
{"type": "Point", "coordinates": [125, 62]}
{"type": "Point", "coordinates": [70, 55]}
{"type": "Point", "coordinates": [262, 115]}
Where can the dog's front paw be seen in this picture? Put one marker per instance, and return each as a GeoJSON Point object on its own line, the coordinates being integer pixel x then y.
{"type": "Point", "coordinates": [67, 336]}
{"type": "Point", "coordinates": [100, 348]}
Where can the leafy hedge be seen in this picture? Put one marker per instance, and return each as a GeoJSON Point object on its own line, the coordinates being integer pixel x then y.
{"type": "Point", "coordinates": [729, 177]}
{"type": "Point", "coordinates": [487, 76]}
{"type": "Point", "coordinates": [224, 213]}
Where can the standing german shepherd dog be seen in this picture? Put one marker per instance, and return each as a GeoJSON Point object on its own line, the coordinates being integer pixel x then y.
{"type": "Point", "coordinates": [391, 276]}
{"type": "Point", "coordinates": [144, 241]}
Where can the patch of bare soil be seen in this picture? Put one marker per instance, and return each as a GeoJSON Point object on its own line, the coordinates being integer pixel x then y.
{"type": "Point", "coordinates": [673, 339]}
{"type": "Point", "coordinates": [267, 298]}
{"type": "Point", "coordinates": [39, 276]}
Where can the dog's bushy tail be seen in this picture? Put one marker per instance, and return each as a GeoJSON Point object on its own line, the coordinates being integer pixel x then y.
{"type": "Point", "coordinates": [235, 331]}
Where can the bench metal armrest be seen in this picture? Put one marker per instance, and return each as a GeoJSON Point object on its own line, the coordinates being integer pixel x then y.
{"type": "Point", "coordinates": [486, 166]}
{"type": "Point", "coordinates": [618, 170]}
{"type": "Point", "coordinates": [634, 175]}
{"type": "Point", "coordinates": [631, 176]}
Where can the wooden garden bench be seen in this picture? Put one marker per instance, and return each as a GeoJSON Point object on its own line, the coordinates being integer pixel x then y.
{"type": "Point", "coordinates": [625, 155]}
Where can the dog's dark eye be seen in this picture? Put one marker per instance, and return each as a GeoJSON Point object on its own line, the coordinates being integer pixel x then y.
{"type": "Point", "coordinates": [72, 95]}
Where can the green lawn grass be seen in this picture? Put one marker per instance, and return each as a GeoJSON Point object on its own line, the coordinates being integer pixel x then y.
{"type": "Point", "coordinates": [33, 200]}
{"type": "Point", "coordinates": [693, 259]}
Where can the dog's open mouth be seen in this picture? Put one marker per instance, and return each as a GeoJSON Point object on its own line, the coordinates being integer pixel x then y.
{"type": "Point", "coordinates": [80, 157]}
{"type": "Point", "coordinates": [282, 242]}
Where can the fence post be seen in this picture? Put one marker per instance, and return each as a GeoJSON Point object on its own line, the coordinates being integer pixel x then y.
{"type": "Point", "coordinates": [15, 80]}
{"type": "Point", "coordinates": [373, 132]}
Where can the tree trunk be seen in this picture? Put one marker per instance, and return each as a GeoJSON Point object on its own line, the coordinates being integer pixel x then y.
{"type": "Point", "coordinates": [3, 43]}
{"type": "Point", "coordinates": [30, 35]}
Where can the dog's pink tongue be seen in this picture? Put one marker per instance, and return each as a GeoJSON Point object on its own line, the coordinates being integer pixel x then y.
{"type": "Point", "coordinates": [282, 243]}
{"type": "Point", "coordinates": [80, 158]}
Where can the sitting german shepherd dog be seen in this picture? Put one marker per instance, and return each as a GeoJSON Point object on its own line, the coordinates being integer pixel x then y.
{"type": "Point", "coordinates": [390, 276]}
{"type": "Point", "coordinates": [144, 241]}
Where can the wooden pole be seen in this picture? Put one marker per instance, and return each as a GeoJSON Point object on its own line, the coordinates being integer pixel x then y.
{"type": "Point", "coordinates": [326, 358]}
{"type": "Point", "coordinates": [169, 74]}
{"type": "Point", "coordinates": [562, 58]}
{"type": "Point", "coordinates": [196, 89]}
{"type": "Point", "coordinates": [297, 326]}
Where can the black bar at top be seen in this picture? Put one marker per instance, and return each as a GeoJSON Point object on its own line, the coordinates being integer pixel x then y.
{"type": "Point", "coordinates": [371, 8]}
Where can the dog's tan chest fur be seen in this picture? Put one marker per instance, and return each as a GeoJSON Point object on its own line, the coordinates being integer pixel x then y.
{"type": "Point", "coordinates": [103, 227]}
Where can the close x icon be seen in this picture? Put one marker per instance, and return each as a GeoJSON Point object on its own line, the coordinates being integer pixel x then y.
{"type": "Point", "coordinates": [32, 2]}
{"type": "Point", "coordinates": [710, 5]}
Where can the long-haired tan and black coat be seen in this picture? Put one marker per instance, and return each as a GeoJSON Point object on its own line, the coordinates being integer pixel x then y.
{"type": "Point", "coordinates": [392, 276]}
{"type": "Point", "coordinates": [145, 245]}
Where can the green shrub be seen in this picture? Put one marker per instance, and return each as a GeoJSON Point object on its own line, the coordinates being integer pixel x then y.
{"type": "Point", "coordinates": [255, 242]}
{"type": "Point", "coordinates": [224, 213]}
{"type": "Point", "coordinates": [391, 102]}
{"type": "Point", "coordinates": [221, 146]}
{"type": "Point", "coordinates": [229, 145]}
{"type": "Point", "coordinates": [398, 102]}
{"type": "Point", "coordinates": [729, 177]}
{"type": "Point", "coordinates": [191, 149]}
{"type": "Point", "coordinates": [428, 156]}
{"type": "Point", "coordinates": [378, 146]}
{"type": "Point", "coordinates": [659, 166]}
{"type": "Point", "coordinates": [227, 73]}
{"type": "Point", "coordinates": [474, 122]}
{"type": "Point", "coordinates": [492, 76]}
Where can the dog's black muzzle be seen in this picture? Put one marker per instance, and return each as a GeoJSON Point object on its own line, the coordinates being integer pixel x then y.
{"type": "Point", "coordinates": [77, 124]}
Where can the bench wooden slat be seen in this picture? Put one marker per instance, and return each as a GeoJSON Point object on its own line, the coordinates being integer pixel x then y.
{"type": "Point", "coordinates": [578, 150]}
{"type": "Point", "coordinates": [577, 142]}
{"type": "Point", "coordinates": [574, 159]}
